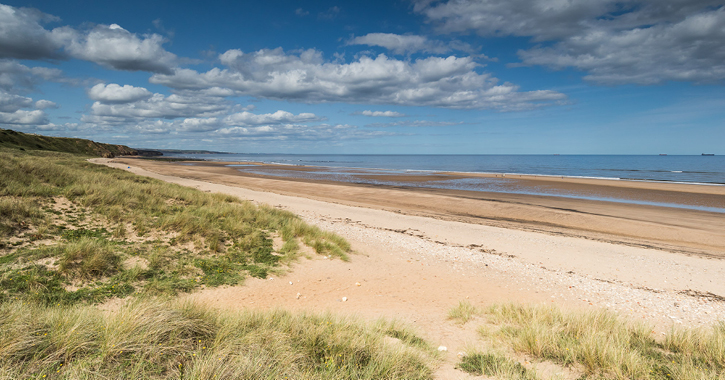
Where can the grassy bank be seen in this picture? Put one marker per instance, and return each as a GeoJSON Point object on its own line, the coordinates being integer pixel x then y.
{"type": "Point", "coordinates": [596, 344]}
{"type": "Point", "coordinates": [71, 231]}
{"type": "Point", "coordinates": [25, 141]}
{"type": "Point", "coordinates": [154, 340]}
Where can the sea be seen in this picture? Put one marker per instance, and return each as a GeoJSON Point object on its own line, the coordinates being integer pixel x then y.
{"type": "Point", "coordinates": [694, 169]}
{"type": "Point", "coordinates": [702, 169]}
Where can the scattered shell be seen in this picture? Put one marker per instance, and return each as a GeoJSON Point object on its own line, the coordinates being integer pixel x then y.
{"type": "Point", "coordinates": [357, 284]}
{"type": "Point", "coordinates": [299, 295]}
{"type": "Point", "coordinates": [344, 299]}
{"type": "Point", "coordinates": [290, 282]}
{"type": "Point", "coordinates": [442, 348]}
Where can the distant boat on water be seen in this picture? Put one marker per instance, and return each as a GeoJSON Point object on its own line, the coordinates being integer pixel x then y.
{"type": "Point", "coordinates": [663, 154]}
{"type": "Point", "coordinates": [708, 154]}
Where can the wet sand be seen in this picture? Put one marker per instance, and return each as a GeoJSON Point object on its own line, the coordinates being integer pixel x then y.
{"type": "Point", "coordinates": [685, 231]}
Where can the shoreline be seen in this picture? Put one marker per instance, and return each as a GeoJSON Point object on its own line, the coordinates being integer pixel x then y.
{"type": "Point", "coordinates": [445, 171]}
{"type": "Point", "coordinates": [516, 262]}
{"type": "Point", "coordinates": [531, 183]}
{"type": "Point", "coordinates": [408, 180]}
{"type": "Point", "coordinates": [677, 230]}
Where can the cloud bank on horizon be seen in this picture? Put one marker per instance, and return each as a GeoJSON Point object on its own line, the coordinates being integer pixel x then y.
{"type": "Point", "coordinates": [447, 64]}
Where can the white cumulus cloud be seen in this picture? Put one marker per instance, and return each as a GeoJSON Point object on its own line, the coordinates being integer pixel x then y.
{"type": "Point", "coordinates": [116, 48]}
{"type": "Point", "coordinates": [22, 117]}
{"type": "Point", "coordinates": [449, 82]}
{"type": "Point", "coordinates": [18, 78]}
{"type": "Point", "coordinates": [23, 36]}
{"type": "Point", "coordinates": [158, 106]}
{"type": "Point", "coordinates": [45, 104]}
{"type": "Point", "coordinates": [380, 113]}
{"type": "Point", "coordinates": [279, 117]}
{"type": "Point", "coordinates": [189, 111]}
{"type": "Point", "coordinates": [12, 110]}
{"type": "Point", "coordinates": [12, 103]}
{"type": "Point", "coordinates": [115, 94]}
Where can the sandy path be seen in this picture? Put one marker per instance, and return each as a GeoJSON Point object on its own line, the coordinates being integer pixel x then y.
{"type": "Point", "coordinates": [415, 269]}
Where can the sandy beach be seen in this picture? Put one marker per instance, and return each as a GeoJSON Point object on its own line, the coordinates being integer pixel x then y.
{"type": "Point", "coordinates": [418, 252]}
{"type": "Point", "coordinates": [686, 231]}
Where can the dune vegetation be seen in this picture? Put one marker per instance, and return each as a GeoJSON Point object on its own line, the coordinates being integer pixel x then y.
{"type": "Point", "coordinates": [597, 344]}
{"type": "Point", "coordinates": [170, 340]}
{"type": "Point", "coordinates": [72, 231]}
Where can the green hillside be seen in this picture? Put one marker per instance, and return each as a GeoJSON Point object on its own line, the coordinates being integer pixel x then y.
{"type": "Point", "coordinates": [19, 140]}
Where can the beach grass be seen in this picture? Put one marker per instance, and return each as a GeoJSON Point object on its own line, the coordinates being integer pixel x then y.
{"type": "Point", "coordinates": [151, 339]}
{"type": "Point", "coordinates": [463, 312]}
{"type": "Point", "coordinates": [495, 365]}
{"type": "Point", "coordinates": [72, 231]}
{"type": "Point", "coordinates": [598, 343]}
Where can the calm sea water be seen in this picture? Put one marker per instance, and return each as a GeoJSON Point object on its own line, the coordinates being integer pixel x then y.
{"type": "Point", "coordinates": [698, 169]}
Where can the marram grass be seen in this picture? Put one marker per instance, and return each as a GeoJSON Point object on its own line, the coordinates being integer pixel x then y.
{"type": "Point", "coordinates": [147, 339]}
{"type": "Point", "coordinates": [601, 344]}
{"type": "Point", "coordinates": [463, 313]}
{"type": "Point", "coordinates": [109, 233]}
{"type": "Point", "coordinates": [495, 365]}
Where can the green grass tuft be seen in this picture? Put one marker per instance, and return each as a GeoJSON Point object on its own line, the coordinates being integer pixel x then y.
{"type": "Point", "coordinates": [16, 214]}
{"type": "Point", "coordinates": [73, 235]}
{"type": "Point", "coordinates": [87, 258]}
{"type": "Point", "coordinates": [495, 365]}
{"type": "Point", "coordinates": [463, 313]}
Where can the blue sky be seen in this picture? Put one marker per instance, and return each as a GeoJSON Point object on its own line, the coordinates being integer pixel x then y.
{"type": "Point", "coordinates": [389, 77]}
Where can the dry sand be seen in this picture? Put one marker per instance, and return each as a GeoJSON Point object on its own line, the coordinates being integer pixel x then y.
{"type": "Point", "coordinates": [418, 253]}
